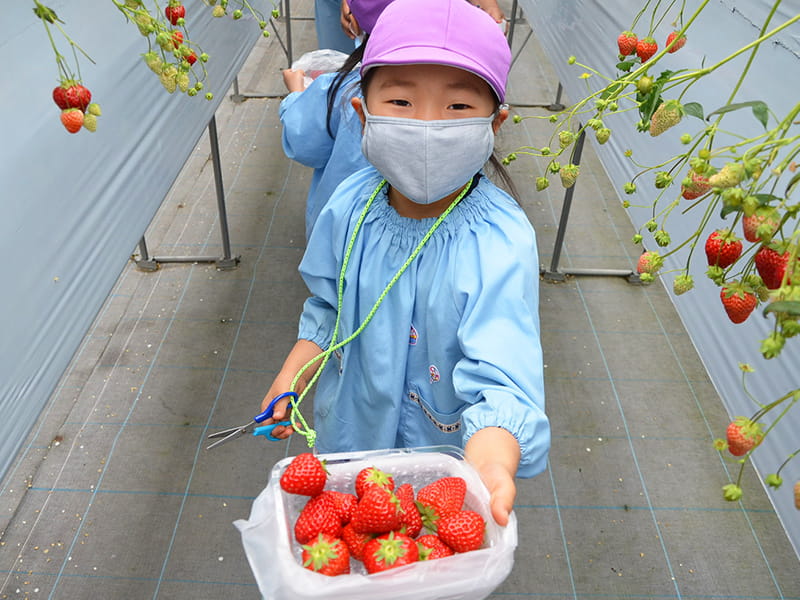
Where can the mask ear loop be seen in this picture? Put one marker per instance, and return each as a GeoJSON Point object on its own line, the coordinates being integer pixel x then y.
{"type": "Point", "coordinates": [298, 421]}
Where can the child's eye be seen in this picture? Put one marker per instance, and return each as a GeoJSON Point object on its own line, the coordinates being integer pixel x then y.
{"type": "Point", "coordinates": [398, 102]}
{"type": "Point", "coordinates": [459, 106]}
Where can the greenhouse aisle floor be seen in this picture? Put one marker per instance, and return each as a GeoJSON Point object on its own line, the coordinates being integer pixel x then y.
{"type": "Point", "coordinates": [114, 495]}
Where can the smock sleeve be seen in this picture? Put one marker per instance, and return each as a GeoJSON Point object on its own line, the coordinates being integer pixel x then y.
{"type": "Point", "coordinates": [305, 136]}
{"type": "Point", "coordinates": [501, 374]}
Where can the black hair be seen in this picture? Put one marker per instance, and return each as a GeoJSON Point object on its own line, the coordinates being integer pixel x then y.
{"type": "Point", "coordinates": [498, 172]}
{"type": "Point", "coordinates": [349, 65]}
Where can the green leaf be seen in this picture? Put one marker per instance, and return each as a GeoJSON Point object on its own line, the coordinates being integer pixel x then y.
{"type": "Point", "coordinates": [625, 66]}
{"type": "Point", "coordinates": [764, 199]}
{"type": "Point", "coordinates": [792, 182]}
{"type": "Point", "coordinates": [611, 89]}
{"type": "Point", "coordinates": [791, 307]}
{"type": "Point", "coordinates": [760, 110]}
{"type": "Point", "coordinates": [694, 109]}
{"type": "Point", "coordinates": [727, 209]}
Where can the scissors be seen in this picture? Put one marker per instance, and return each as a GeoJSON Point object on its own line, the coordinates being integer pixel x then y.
{"type": "Point", "coordinates": [227, 435]}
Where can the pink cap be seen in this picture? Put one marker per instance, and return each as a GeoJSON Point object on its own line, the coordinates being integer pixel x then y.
{"type": "Point", "coordinates": [367, 12]}
{"type": "Point", "coordinates": [443, 32]}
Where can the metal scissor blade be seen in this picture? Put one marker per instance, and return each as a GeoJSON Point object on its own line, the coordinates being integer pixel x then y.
{"type": "Point", "coordinates": [226, 435]}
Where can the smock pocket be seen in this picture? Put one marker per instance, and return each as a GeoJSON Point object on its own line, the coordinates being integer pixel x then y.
{"type": "Point", "coordinates": [444, 422]}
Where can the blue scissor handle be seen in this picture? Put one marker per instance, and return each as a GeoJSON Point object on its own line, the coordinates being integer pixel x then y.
{"type": "Point", "coordinates": [266, 430]}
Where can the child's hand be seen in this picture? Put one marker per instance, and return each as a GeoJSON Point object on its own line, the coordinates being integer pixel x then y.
{"type": "Point", "coordinates": [294, 80]}
{"type": "Point", "coordinates": [280, 412]}
{"type": "Point", "coordinates": [495, 453]}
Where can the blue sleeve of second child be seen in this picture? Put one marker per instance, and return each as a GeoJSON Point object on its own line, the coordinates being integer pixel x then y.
{"type": "Point", "coordinates": [305, 136]}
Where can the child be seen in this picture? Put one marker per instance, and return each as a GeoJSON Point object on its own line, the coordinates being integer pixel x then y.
{"type": "Point", "coordinates": [452, 353]}
{"type": "Point", "coordinates": [320, 129]}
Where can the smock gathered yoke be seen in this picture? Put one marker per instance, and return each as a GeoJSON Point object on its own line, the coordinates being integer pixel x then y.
{"type": "Point", "coordinates": [454, 346]}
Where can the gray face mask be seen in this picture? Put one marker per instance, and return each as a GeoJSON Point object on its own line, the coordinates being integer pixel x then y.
{"type": "Point", "coordinates": [427, 160]}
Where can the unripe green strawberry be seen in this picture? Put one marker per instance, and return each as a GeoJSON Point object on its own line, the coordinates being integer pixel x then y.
{"type": "Point", "coordinates": [182, 81]}
{"type": "Point", "coordinates": [94, 109]}
{"type": "Point", "coordinates": [649, 262]}
{"type": "Point", "coordinates": [90, 122]}
{"type": "Point", "coordinates": [144, 22]}
{"type": "Point", "coordinates": [662, 237]}
{"type": "Point", "coordinates": [644, 84]}
{"type": "Point", "coordinates": [218, 11]}
{"type": "Point", "coordinates": [731, 492]}
{"type": "Point", "coordinates": [728, 176]}
{"type": "Point", "coordinates": [773, 480]}
{"type": "Point", "coordinates": [602, 135]}
{"type": "Point", "coordinates": [682, 284]}
{"type": "Point", "coordinates": [569, 173]}
{"type": "Point", "coordinates": [772, 345]}
{"type": "Point", "coordinates": [565, 138]}
{"type": "Point", "coordinates": [668, 114]}
{"type": "Point", "coordinates": [168, 78]}
{"type": "Point", "coordinates": [542, 183]}
{"type": "Point", "coordinates": [154, 62]}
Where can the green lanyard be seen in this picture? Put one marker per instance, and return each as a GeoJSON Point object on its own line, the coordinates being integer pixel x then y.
{"type": "Point", "coordinates": [297, 417]}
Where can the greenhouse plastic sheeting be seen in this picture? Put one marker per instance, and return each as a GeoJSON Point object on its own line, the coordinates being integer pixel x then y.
{"type": "Point", "coordinates": [73, 207]}
{"type": "Point", "coordinates": [588, 30]}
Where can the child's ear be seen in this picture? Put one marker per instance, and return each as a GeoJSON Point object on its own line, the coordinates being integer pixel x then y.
{"type": "Point", "coordinates": [502, 115]}
{"type": "Point", "coordinates": [357, 105]}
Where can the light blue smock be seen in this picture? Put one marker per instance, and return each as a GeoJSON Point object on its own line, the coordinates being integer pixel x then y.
{"type": "Point", "coordinates": [455, 345]}
{"type": "Point", "coordinates": [306, 139]}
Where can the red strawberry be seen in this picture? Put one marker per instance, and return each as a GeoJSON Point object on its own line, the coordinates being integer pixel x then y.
{"type": "Point", "coordinates": [378, 511]}
{"type": "Point", "coordinates": [319, 515]}
{"type": "Point", "coordinates": [355, 541]}
{"type": "Point", "coordinates": [76, 96]}
{"type": "Point", "coordinates": [678, 45]}
{"type": "Point", "coordinates": [432, 547]}
{"type": "Point", "coordinates": [174, 11]}
{"type": "Point", "coordinates": [441, 498]}
{"type": "Point", "coordinates": [771, 266]}
{"type": "Point", "coordinates": [645, 48]}
{"type": "Point", "coordinates": [177, 38]}
{"type": "Point", "coordinates": [761, 225]}
{"type": "Point", "coordinates": [462, 531]}
{"type": "Point", "coordinates": [723, 248]}
{"type": "Point", "coordinates": [627, 43]}
{"type": "Point", "coordinates": [326, 555]}
{"type": "Point", "coordinates": [305, 475]}
{"type": "Point", "coordinates": [389, 551]}
{"type": "Point", "coordinates": [738, 302]}
{"type": "Point", "coordinates": [797, 495]}
{"type": "Point", "coordinates": [370, 476]}
{"type": "Point", "coordinates": [694, 186]}
{"type": "Point", "coordinates": [191, 58]}
{"type": "Point", "coordinates": [72, 118]}
{"type": "Point", "coordinates": [60, 97]}
{"type": "Point", "coordinates": [743, 435]}
{"type": "Point", "coordinates": [410, 520]}
{"type": "Point", "coordinates": [345, 504]}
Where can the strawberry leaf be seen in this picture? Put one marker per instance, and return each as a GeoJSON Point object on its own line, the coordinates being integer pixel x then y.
{"type": "Point", "coordinates": [792, 182]}
{"type": "Point", "coordinates": [694, 109]}
{"type": "Point", "coordinates": [791, 307]}
{"type": "Point", "coordinates": [760, 110]}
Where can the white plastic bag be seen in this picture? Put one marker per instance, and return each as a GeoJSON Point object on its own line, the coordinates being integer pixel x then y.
{"type": "Point", "coordinates": [317, 62]}
{"type": "Point", "coordinates": [274, 556]}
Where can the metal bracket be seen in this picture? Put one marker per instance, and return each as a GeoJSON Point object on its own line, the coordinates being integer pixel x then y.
{"type": "Point", "coordinates": [223, 263]}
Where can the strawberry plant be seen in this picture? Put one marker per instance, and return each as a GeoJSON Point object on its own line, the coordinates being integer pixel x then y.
{"type": "Point", "coordinates": [746, 179]}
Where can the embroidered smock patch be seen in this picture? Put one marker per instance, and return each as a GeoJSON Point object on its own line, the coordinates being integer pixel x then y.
{"type": "Point", "coordinates": [445, 427]}
{"type": "Point", "coordinates": [434, 373]}
{"type": "Point", "coordinates": [413, 336]}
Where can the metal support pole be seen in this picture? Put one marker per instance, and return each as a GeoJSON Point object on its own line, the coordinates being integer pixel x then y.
{"type": "Point", "coordinates": [512, 23]}
{"type": "Point", "coordinates": [224, 263]}
{"type": "Point", "coordinates": [554, 274]}
{"type": "Point", "coordinates": [287, 4]}
{"type": "Point", "coordinates": [557, 105]}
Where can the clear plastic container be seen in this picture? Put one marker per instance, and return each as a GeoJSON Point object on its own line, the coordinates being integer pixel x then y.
{"type": "Point", "coordinates": [274, 555]}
